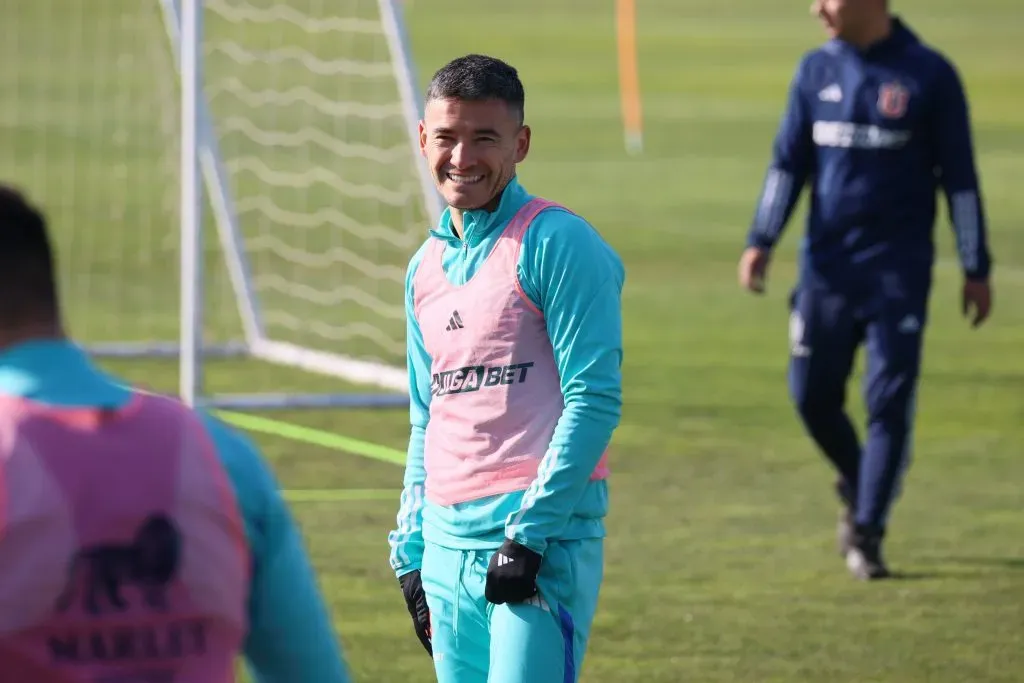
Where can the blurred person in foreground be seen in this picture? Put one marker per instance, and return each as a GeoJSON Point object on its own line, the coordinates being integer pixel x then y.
{"type": "Point", "coordinates": [877, 122]}
{"type": "Point", "coordinates": [514, 353]}
{"type": "Point", "coordinates": [140, 540]}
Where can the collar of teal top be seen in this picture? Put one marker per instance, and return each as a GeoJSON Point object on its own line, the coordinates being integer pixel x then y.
{"type": "Point", "coordinates": [478, 223]}
{"type": "Point", "coordinates": [38, 353]}
{"type": "Point", "coordinates": [55, 371]}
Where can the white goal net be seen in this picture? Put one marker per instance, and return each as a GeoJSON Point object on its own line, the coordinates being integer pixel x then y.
{"type": "Point", "coordinates": [314, 195]}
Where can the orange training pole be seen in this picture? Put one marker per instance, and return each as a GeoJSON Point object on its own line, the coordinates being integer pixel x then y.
{"type": "Point", "coordinates": [629, 80]}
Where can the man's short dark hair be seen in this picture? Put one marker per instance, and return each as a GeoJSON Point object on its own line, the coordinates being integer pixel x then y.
{"type": "Point", "coordinates": [479, 77]}
{"type": "Point", "coordinates": [28, 287]}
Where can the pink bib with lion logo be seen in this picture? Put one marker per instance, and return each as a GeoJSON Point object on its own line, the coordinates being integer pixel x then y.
{"type": "Point", "coordinates": [123, 556]}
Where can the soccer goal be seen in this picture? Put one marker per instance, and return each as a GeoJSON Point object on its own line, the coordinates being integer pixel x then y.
{"type": "Point", "coordinates": [231, 181]}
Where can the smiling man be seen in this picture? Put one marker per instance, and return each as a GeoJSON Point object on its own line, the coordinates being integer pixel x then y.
{"type": "Point", "coordinates": [877, 122]}
{"type": "Point", "coordinates": [514, 353]}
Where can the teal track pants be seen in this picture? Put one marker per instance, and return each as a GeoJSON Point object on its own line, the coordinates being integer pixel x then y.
{"type": "Point", "coordinates": [540, 641]}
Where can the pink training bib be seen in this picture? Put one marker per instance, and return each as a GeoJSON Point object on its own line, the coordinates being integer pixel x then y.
{"type": "Point", "coordinates": [122, 552]}
{"type": "Point", "coordinates": [495, 390]}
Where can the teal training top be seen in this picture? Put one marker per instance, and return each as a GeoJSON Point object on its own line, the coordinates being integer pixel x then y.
{"type": "Point", "coordinates": [290, 638]}
{"type": "Point", "coordinates": [575, 278]}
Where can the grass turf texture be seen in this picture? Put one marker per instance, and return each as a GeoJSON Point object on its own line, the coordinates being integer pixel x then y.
{"type": "Point", "coordinates": [720, 561]}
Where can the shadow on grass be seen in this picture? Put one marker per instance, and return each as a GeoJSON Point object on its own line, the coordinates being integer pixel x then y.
{"type": "Point", "coordinates": [1003, 562]}
{"type": "Point", "coordinates": [917, 575]}
{"type": "Point", "coordinates": [1012, 563]}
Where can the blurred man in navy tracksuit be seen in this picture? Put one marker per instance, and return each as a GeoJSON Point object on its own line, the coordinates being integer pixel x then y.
{"type": "Point", "coordinates": [876, 123]}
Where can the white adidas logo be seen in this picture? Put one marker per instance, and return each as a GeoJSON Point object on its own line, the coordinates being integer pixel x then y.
{"type": "Point", "coordinates": [832, 93]}
{"type": "Point", "coordinates": [909, 325]}
{"type": "Point", "coordinates": [504, 559]}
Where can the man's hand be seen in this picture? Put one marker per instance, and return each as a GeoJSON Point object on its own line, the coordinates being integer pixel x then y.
{"type": "Point", "coordinates": [512, 574]}
{"type": "Point", "coordinates": [416, 601]}
{"type": "Point", "coordinates": [753, 269]}
{"type": "Point", "coordinates": [977, 301]}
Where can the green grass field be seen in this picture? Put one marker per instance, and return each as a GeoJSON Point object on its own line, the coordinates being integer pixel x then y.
{"type": "Point", "coordinates": [720, 561]}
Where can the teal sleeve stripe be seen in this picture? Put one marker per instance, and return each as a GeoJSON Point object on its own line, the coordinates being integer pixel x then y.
{"type": "Point", "coordinates": [406, 540]}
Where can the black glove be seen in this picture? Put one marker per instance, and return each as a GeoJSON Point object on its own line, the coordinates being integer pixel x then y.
{"type": "Point", "coordinates": [512, 574]}
{"type": "Point", "coordinates": [416, 601]}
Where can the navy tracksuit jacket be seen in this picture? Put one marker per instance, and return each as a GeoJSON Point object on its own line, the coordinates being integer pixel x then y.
{"type": "Point", "coordinates": [875, 133]}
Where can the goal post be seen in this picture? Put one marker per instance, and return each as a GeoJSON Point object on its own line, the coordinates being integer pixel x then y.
{"type": "Point", "coordinates": [269, 154]}
{"type": "Point", "coordinates": [186, 37]}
